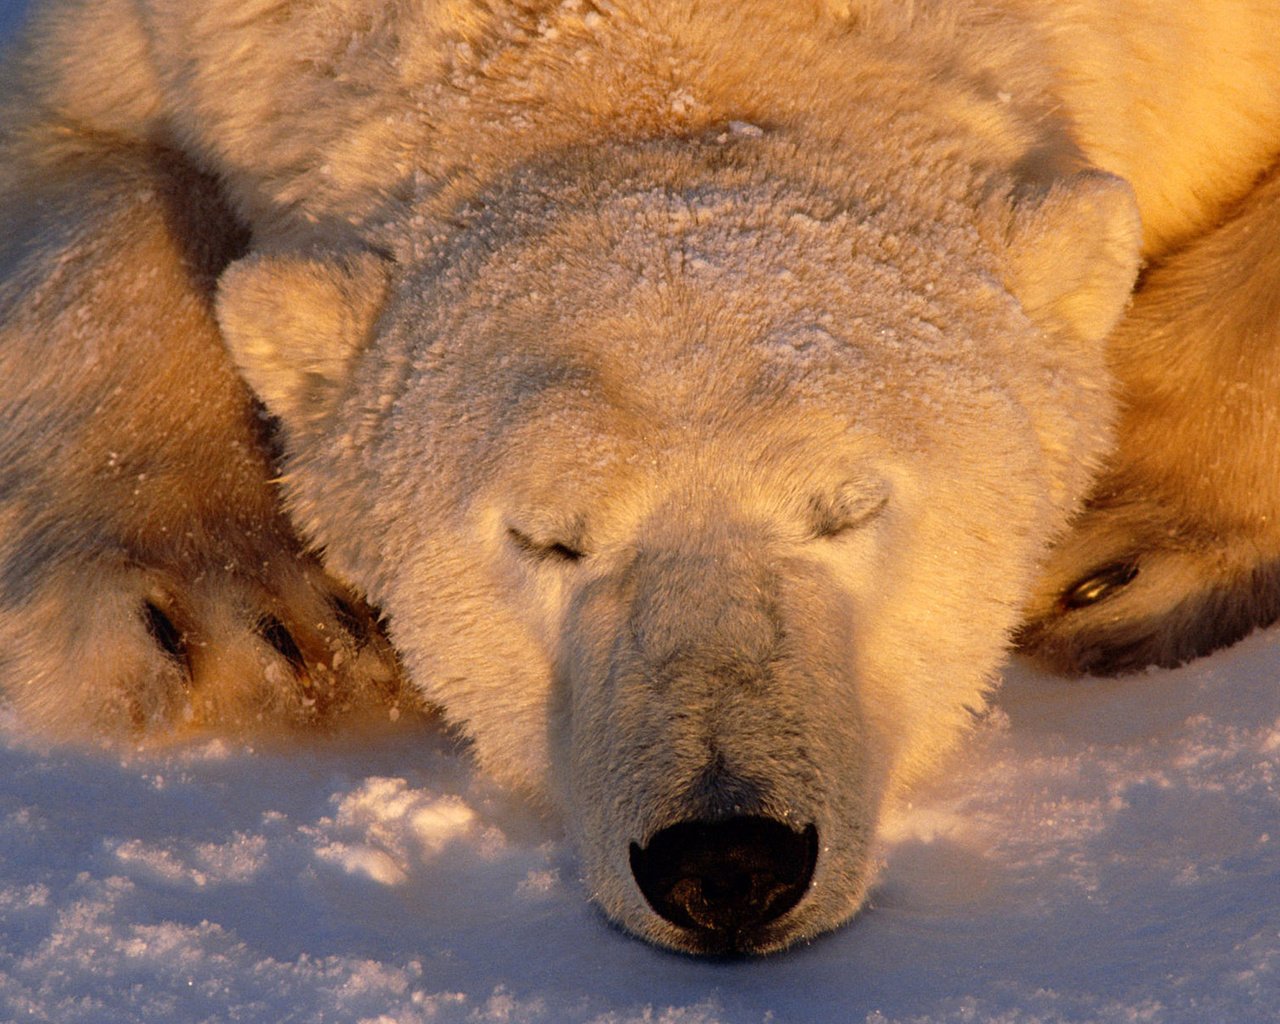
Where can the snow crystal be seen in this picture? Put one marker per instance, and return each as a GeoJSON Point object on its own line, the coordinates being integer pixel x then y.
{"type": "Point", "coordinates": [538, 884]}
{"type": "Point", "coordinates": [389, 811]}
{"type": "Point", "coordinates": [682, 101]}
{"type": "Point", "coordinates": [364, 860]}
{"type": "Point", "coordinates": [385, 827]}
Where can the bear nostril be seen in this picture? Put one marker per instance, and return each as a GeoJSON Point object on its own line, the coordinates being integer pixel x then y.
{"type": "Point", "coordinates": [725, 876]}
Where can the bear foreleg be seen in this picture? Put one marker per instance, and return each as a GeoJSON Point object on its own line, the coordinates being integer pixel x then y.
{"type": "Point", "coordinates": [148, 577]}
{"type": "Point", "coordinates": [1177, 551]}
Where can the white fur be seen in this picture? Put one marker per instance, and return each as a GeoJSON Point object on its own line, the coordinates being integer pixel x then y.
{"type": "Point", "coordinates": [670, 286]}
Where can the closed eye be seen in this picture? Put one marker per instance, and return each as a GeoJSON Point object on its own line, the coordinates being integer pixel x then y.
{"type": "Point", "coordinates": [851, 508]}
{"type": "Point", "coordinates": [544, 549]}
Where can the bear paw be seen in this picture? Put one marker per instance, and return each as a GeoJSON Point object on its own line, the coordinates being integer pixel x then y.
{"type": "Point", "coordinates": [1134, 585]}
{"type": "Point", "coordinates": [111, 646]}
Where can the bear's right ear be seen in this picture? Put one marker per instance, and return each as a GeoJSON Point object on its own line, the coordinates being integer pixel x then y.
{"type": "Point", "coordinates": [1071, 251]}
{"type": "Point", "coordinates": [294, 323]}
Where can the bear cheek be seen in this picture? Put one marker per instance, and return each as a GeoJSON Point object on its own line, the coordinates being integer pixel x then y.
{"type": "Point", "coordinates": [458, 626]}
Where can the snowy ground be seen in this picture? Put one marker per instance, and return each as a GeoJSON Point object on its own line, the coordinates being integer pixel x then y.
{"type": "Point", "coordinates": [11, 13]}
{"type": "Point", "coordinates": [1101, 851]}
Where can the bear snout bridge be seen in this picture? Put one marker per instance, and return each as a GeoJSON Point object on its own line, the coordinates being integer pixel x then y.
{"type": "Point", "coordinates": [725, 880]}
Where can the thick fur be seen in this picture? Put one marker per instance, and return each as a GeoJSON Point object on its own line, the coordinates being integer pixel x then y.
{"type": "Point", "coordinates": [698, 388]}
{"type": "Point", "coordinates": [148, 577]}
{"type": "Point", "coordinates": [1188, 504]}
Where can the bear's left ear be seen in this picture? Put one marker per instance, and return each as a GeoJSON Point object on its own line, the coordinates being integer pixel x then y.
{"type": "Point", "coordinates": [294, 323]}
{"type": "Point", "coordinates": [1071, 252]}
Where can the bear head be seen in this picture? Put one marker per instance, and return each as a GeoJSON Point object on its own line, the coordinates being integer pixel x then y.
{"type": "Point", "coordinates": [701, 493]}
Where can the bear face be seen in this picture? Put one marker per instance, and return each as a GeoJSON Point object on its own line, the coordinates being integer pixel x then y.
{"type": "Point", "coordinates": [702, 501]}
{"type": "Point", "coordinates": [694, 385]}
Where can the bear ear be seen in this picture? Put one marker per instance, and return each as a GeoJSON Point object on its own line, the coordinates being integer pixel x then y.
{"type": "Point", "coordinates": [1072, 251]}
{"type": "Point", "coordinates": [294, 323]}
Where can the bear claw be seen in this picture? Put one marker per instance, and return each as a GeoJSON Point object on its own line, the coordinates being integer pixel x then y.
{"type": "Point", "coordinates": [171, 640]}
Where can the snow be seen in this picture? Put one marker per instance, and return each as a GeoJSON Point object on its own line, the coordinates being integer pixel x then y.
{"type": "Point", "coordinates": [11, 15]}
{"type": "Point", "coordinates": [1100, 851]}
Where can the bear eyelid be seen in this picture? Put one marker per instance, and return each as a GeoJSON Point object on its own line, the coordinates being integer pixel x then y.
{"type": "Point", "coordinates": [854, 504]}
{"type": "Point", "coordinates": [544, 549]}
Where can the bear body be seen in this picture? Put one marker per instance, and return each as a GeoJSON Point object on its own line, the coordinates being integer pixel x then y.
{"type": "Point", "coordinates": [699, 390]}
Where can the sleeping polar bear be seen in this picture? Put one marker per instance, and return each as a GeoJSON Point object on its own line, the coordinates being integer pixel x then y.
{"type": "Point", "coordinates": [698, 390]}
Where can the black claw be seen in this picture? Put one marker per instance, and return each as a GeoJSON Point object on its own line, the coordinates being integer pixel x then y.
{"type": "Point", "coordinates": [274, 632]}
{"type": "Point", "coordinates": [168, 637]}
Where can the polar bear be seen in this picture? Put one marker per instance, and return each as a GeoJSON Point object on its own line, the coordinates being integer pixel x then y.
{"type": "Point", "coordinates": [698, 391]}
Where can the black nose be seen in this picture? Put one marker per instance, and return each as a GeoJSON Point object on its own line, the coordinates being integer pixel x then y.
{"type": "Point", "coordinates": [727, 876]}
